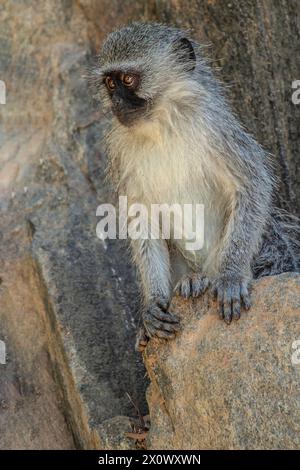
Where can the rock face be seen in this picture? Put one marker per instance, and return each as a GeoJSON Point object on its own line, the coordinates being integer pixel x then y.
{"type": "Point", "coordinates": [229, 387]}
{"type": "Point", "coordinates": [68, 301]}
{"type": "Point", "coordinates": [31, 405]}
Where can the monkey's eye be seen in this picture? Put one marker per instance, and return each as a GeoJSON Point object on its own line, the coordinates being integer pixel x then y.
{"type": "Point", "coordinates": [129, 80]}
{"type": "Point", "coordinates": [110, 84]}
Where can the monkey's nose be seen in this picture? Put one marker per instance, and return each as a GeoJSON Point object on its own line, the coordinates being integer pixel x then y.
{"type": "Point", "coordinates": [117, 101]}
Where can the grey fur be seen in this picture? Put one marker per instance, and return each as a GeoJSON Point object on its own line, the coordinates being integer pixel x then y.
{"type": "Point", "coordinates": [220, 163]}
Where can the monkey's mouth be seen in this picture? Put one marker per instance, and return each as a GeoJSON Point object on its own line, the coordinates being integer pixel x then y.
{"type": "Point", "coordinates": [129, 117]}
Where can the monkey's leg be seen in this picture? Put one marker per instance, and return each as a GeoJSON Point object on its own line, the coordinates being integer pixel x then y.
{"type": "Point", "coordinates": [192, 285]}
{"type": "Point", "coordinates": [153, 263]}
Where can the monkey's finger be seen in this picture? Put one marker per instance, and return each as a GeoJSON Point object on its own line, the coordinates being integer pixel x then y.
{"type": "Point", "coordinates": [245, 296]}
{"type": "Point", "coordinates": [163, 326]}
{"type": "Point", "coordinates": [177, 288]}
{"type": "Point", "coordinates": [154, 329]}
{"type": "Point", "coordinates": [205, 283]}
{"type": "Point", "coordinates": [167, 317]}
{"type": "Point", "coordinates": [174, 326]}
{"type": "Point", "coordinates": [227, 306]}
{"type": "Point", "coordinates": [151, 322]}
{"type": "Point", "coordinates": [185, 290]}
{"type": "Point", "coordinates": [236, 309]}
{"type": "Point", "coordinates": [164, 334]}
{"type": "Point", "coordinates": [183, 287]}
{"type": "Point", "coordinates": [141, 340]}
{"type": "Point", "coordinates": [150, 331]}
{"type": "Point", "coordinates": [199, 286]}
{"type": "Point", "coordinates": [220, 299]}
{"type": "Point", "coordinates": [214, 291]}
{"type": "Point", "coordinates": [236, 302]}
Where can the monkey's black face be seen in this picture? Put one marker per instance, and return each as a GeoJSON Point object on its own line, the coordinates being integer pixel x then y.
{"type": "Point", "coordinates": [126, 105]}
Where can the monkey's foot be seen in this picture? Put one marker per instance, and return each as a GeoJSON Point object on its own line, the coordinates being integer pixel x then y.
{"type": "Point", "coordinates": [192, 285]}
{"type": "Point", "coordinates": [232, 294]}
{"type": "Point", "coordinates": [159, 322]}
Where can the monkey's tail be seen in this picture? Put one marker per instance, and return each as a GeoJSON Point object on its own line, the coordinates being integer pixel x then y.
{"type": "Point", "coordinates": [280, 250]}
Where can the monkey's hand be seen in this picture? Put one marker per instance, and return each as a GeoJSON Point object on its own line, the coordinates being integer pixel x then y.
{"type": "Point", "coordinates": [232, 294]}
{"type": "Point", "coordinates": [159, 322]}
{"type": "Point", "coordinates": [192, 285]}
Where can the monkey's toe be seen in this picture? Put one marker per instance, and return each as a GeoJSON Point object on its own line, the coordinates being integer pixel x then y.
{"type": "Point", "coordinates": [160, 323]}
{"type": "Point", "coordinates": [192, 285]}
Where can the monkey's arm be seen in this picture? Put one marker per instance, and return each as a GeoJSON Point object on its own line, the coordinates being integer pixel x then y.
{"type": "Point", "coordinates": [241, 241]}
{"type": "Point", "coordinates": [152, 260]}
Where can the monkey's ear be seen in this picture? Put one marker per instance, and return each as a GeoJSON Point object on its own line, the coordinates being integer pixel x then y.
{"type": "Point", "coordinates": [186, 54]}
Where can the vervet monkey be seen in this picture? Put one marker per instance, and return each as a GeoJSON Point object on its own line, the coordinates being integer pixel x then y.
{"type": "Point", "coordinates": [174, 139]}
